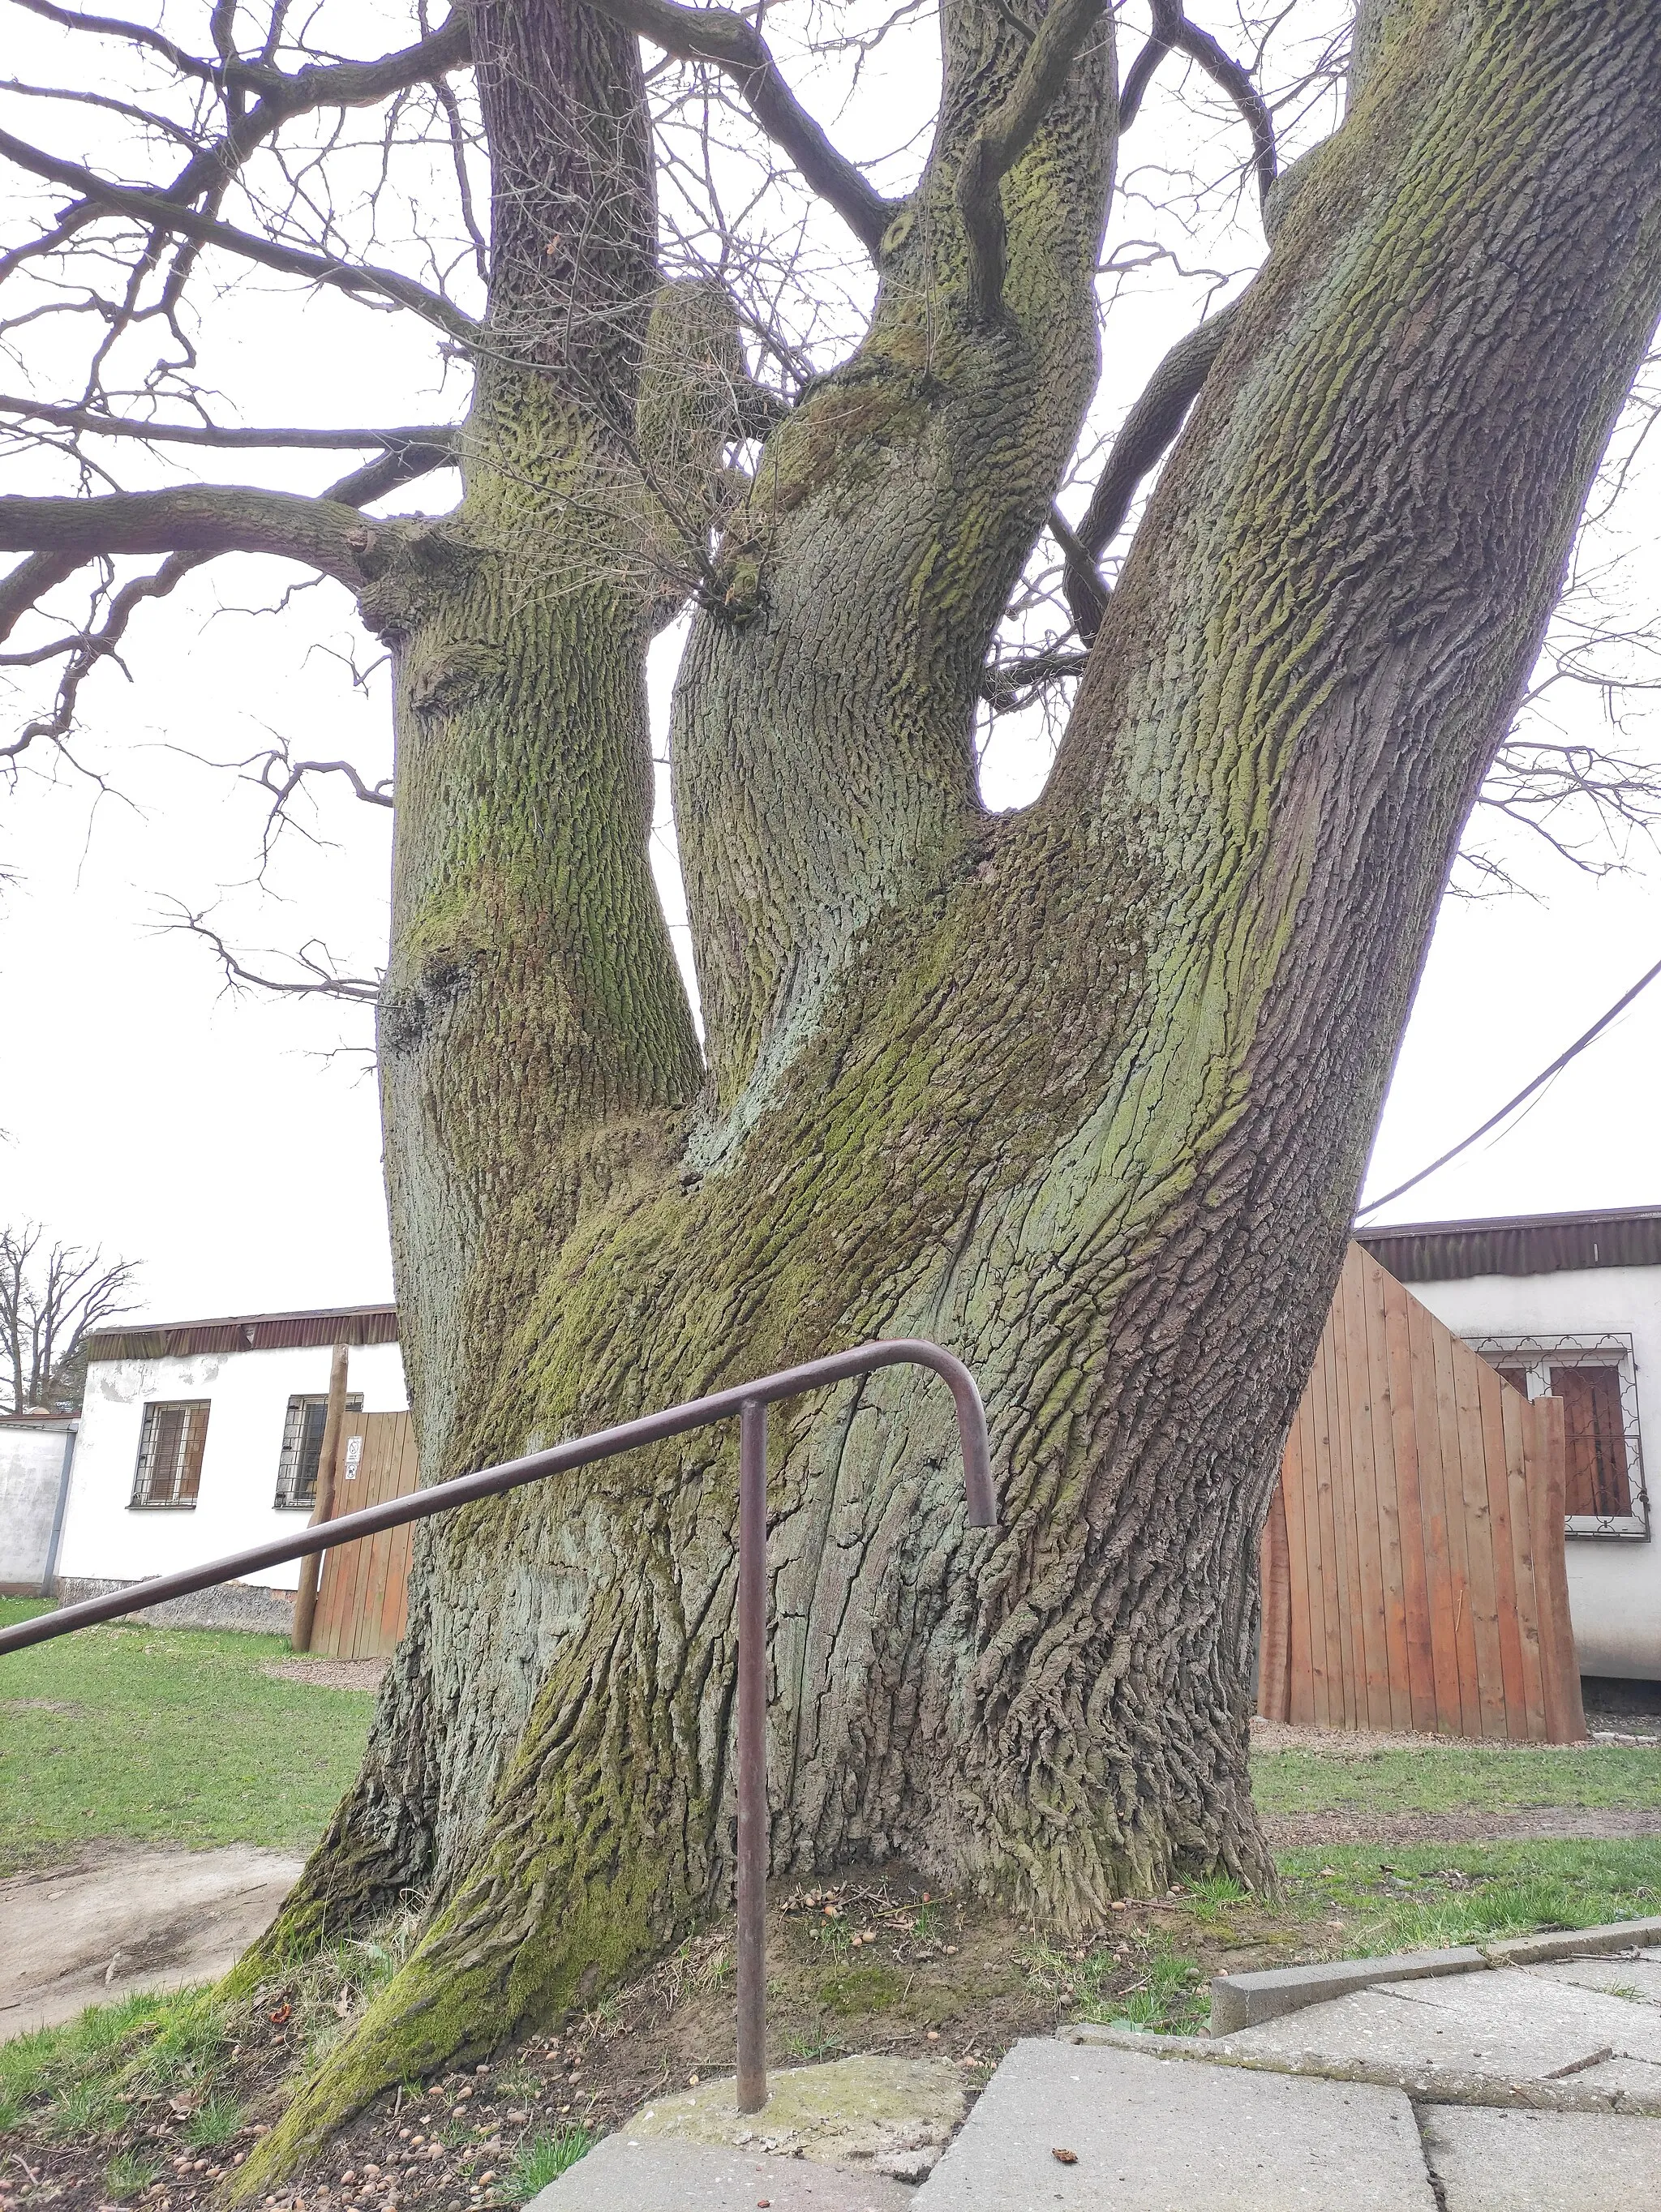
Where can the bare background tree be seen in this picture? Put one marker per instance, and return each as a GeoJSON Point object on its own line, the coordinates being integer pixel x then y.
{"type": "Point", "coordinates": [1082, 1087]}
{"type": "Point", "coordinates": [52, 1296]}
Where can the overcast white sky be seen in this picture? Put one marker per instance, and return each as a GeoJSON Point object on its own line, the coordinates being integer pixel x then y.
{"type": "Point", "coordinates": [229, 1143]}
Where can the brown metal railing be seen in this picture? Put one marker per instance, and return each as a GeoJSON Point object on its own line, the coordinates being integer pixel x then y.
{"type": "Point", "coordinates": [748, 1403]}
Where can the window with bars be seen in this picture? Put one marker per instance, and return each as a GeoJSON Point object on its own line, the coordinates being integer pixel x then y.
{"type": "Point", "coordinates": [302, 1449]}
{"type": "Point", "coordinates": [170, 1447]}
{"type": "Point", "coordinates": [1604, 1475]}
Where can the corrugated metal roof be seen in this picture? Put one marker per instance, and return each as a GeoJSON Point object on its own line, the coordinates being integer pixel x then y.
{"type": "Point", "coordinates": [277, 1332]}
{"type": "Point", "coordinates": [1517, 1244]}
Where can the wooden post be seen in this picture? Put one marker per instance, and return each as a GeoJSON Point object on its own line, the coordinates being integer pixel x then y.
{"type": "Point", "coordinates": [305, 1604]}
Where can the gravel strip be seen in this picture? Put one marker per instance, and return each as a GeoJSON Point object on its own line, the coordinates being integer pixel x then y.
{"type": "Point", "coordinates": [329, 1673]}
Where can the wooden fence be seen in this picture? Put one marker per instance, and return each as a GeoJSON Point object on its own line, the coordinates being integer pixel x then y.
{"type": "Point", "coordinates": [1413, 1558]}
{"type": "Point", "coordinates": [362, 1595]}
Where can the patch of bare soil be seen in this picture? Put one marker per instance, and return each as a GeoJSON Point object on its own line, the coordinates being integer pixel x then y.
{"type": "Point", "coordinates": [877, 1965]}
{"type": "Point", "coordinates": [329, 1673]}
{"type": "Point", "coordinates": [1545, 1824]}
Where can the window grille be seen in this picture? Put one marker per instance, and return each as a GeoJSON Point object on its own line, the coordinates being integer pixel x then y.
{"type": "Point", "coordinates": [302, 1449]}
{"type": "Point", "coordinates": [1595, 1377]}
{"type": "Point", "coordinates": [170, 1447]}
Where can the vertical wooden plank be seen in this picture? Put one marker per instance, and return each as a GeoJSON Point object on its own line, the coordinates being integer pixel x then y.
{"type": "Point", "coordinates": [356, 1496]}
{"type": "Point", "coordinates": [1513, 1409]}
{"type": "Point", "coordinates": [1387, 1478]}
{"type": "Point", "coordinates": [1496, 1482]}
{"type": "Point", "coordinates": [1343, 1492]}
{"type": "Point", "coordinates": [1566, 1719]}
{"type": "Point", "coordinates": [1294, 1488]}
{"type": "Point", "coordinates": [1410, 1525]}
{"type": "Point", "coordinates": [325, 1620]}
{"type": "Point", "coordinates": [1478, 1546]}
{"type": "Point", "coordinates": [395, 1574]}
{"type": "Point", "coordinates": [1374, 1704]}
{"type": "Point", "coordinates": [1274, 1643]}
{"type": "Point", "coordinates": [1446, 1536]}
{"type": "Point", "coordinates": [377, 1548]}
{"type": "Point", "coordinates": [1329, 1666]}
{"type": "Point", "coordinates": [1334, 1556]}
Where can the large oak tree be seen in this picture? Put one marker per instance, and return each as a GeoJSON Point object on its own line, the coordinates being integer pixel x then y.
{"type": "Point", "coordinates": [1082, 1090]}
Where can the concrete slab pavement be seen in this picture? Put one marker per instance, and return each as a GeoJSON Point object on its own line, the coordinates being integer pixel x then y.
{"type": "Point", "coordinates": [635, 2175]}
{"type": "Point", "coordinates": [1508, 2021]}
{"type": "Point", "coordinates": [1151, 2134]}
{"type": "Point", "coordinates": [1542, 2161]}
{"type": "Point", "coordinates": [1640, 1978]}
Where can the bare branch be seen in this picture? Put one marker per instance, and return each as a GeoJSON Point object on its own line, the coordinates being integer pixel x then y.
{"type": "Point", "coordinates": [318, 978]}
{"type": "Point", "coordinates": [345, 84]}
{"type": "Point", "coordinates": [30, 581]}
{"type": "Point", "coordinates": [225, 437]}
{"type": "Point", "coordinates": [1173, 32]}
{"type": "Point", "coordinates": [1148, 430]}
{"type": "Point", "coordinates": [323, 533]}
{"type": "Point", "coordinates": [158, 212]}
{"type": "Point", "coordinates": [732, 45]}
{"type": "Point", "coordinates": [1228, 74]}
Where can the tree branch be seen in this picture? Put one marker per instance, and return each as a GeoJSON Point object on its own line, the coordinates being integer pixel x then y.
{"type": "Point", "coordinates": [345, 84]}
{"type": "Point", "coordinates": [319, 978]}
{"type": "Point", "coordinates": [990, 155]}
{"type": "Point", "coordinates": [1235, 80]}
{"type": "Point", "coordinates": [1148, 430]}
{"type": "Point", "coordinates": [323, 533]}
{"type": "Point", "coordinates": [732, 45]}
{"type": "Point", "coordinates": [30, 581]}
{"type": "Point", "coordinates": [1173, 32]}
{"type": "Point", "coordinates": [211, 433]}
{"type": "Point", "coordinates": [158, 212]}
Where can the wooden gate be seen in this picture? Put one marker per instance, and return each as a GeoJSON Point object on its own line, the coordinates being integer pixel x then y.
{"type": "Point", "coordinates": [1413, 1557]}
{"type": "Point", "coordinates": [361, 1595]}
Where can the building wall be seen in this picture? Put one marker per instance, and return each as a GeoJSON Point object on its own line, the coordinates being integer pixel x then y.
{"type": "Point", "coordinates": [106, 1542]}
{"type": "Point", "coordinates": [1615, 1584]}
{"type": "Point", "coordinates": [31, 1467]}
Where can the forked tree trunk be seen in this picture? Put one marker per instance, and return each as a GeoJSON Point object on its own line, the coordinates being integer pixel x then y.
{"type": "Point", "coordinates": [1083, 1092]}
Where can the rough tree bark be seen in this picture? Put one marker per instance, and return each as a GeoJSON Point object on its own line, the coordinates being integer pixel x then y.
{"type": "Point", "coordinates": [1084, 1092]}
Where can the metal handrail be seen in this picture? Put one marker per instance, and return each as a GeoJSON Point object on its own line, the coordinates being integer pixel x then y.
{"type": "Point", "coordinates": [748, 1402]}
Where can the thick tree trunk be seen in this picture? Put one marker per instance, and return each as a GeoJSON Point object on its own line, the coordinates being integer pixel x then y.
{"type": "Point", "coordinates": [1084, 1093]}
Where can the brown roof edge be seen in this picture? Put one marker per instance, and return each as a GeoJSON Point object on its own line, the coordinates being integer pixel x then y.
{"type": "Point", "coordinates": [277, 1332]}
{"type": "Point", "coordinates": [1517, 1244]}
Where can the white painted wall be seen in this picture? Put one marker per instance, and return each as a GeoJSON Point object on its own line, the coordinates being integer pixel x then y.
{"type": "Point", "coordinates": [1615, 1584]}
{"type": "Point", "coordinates": [106, 1539]}
{"type": "Point", "coordinates": [31, 1468]}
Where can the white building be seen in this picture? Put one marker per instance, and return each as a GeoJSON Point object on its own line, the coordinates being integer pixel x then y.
{"type": "Point", "coordinates": [199, 1438]}
{"type": "Point", "coordinates": [36, 1450]}
{"type": "Point", "coordinates": [1569, 1304]}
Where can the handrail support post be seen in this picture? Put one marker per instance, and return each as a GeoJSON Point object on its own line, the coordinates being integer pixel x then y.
{"type": "Point", "coordinates": [751, 2087]}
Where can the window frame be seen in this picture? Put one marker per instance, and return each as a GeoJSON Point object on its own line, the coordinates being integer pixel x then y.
{"type": "Point", "coordinates": [1539, 1354]}
{"type": "Point", "coordinates": [143, 1499]}
{"type": "Point", "coordinates": [286, 1498]}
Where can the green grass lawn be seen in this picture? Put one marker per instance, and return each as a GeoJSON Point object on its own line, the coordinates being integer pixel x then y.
{"type": "Point", "coordinates": [1458, 1778]}
{"type": "Point", "coordinates": [165, 1736]}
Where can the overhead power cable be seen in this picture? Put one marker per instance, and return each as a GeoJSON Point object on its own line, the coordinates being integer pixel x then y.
{"type": "Point", "coordinates": [1523, 1096]}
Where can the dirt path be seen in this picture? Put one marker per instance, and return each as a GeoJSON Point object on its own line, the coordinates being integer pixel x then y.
{"type": "Point", "coordinates": [1545, 1824]}
{"type": "Point", "coordinates": [118, 1921]}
